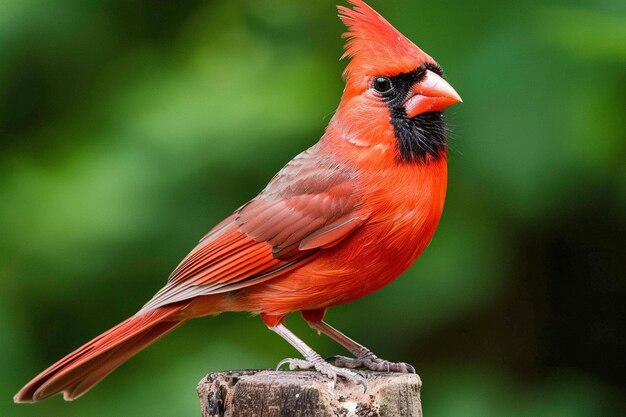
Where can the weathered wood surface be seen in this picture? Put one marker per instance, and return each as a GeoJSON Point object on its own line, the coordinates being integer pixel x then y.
{"type": "Point", "coordinates": [308, 394]}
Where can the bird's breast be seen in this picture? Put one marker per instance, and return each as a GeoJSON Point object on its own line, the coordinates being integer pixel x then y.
{"type": "Point", "coordinates": [408, 206]}
{"type": "Point", "coordinates": [404, 207]}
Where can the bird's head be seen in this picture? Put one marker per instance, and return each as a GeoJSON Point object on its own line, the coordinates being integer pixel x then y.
{"type": "Point", "coordinates": [394, 91]}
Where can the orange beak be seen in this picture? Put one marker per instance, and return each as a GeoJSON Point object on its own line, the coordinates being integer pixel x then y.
{"type": "Point", "coordinates": [433, 93]}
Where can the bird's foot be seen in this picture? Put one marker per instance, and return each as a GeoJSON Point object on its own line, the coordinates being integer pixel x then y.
{"type": "Point", "coordinates": [325, 368]}
{"type": "Point", "coordinates": [373, 363]}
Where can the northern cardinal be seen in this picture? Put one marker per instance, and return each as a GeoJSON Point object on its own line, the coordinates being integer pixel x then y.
{"type": "Point", "coordinates": [341, 220]}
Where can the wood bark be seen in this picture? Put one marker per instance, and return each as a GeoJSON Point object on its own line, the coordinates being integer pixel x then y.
{"type": "Point", "coordinates": [308, 394]}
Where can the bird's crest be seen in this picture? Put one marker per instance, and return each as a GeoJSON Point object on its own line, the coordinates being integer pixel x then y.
{"type": "Point", "coordinates": [373, 43]}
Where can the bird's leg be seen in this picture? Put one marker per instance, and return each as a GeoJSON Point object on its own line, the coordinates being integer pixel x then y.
{"type": "Point", "coordinates": [364, 358]}
{"type": "Point", "coordinates": [312, 359]}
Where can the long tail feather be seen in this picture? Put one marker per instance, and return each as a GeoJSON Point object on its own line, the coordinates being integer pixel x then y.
{"type": "Point", "coordinates": [79, 371]}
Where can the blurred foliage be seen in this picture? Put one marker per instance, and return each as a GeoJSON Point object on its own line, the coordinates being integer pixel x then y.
{"type": "Point", "coordinates": [128, 129]}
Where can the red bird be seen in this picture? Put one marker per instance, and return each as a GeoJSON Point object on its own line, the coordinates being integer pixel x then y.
{"type": "Point", "coordinates": [342, 219]}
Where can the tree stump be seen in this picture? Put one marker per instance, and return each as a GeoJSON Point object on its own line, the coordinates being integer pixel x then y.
{"type": "Point", "coordinates": [308, 394]}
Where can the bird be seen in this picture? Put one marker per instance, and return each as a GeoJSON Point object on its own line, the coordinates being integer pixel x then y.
{"type": "Point", "coordinates": [339, 221]}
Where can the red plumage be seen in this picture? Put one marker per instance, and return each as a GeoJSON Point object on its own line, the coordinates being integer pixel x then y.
{"type": "Point", "coordinates": [371, 40]}
{"type": "Point", "coordinates": [341, 220]}
{"type": "Point", "coordinates": [86, 366]}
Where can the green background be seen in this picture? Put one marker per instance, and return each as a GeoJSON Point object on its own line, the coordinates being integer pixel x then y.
{"type": "Point", "coordinates": [129, 128]}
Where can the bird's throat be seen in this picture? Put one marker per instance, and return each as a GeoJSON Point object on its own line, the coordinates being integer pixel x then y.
{"type": "Point", "coordinates": [419, 139]}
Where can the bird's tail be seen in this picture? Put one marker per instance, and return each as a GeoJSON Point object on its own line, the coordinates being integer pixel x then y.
{"type": "Point", "coordinates": [76, 373]}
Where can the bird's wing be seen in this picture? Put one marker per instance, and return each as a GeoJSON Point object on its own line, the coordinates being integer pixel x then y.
{"type": "Point", "coordinates": [308, 206]}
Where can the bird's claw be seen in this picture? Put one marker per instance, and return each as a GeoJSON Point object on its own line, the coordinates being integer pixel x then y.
{"type": "Point", "coordinates": [326, 369]}
{"type": "Point", "coordinates": [373, 363]}
{"type": "Point", "coordinates": [295, 364]}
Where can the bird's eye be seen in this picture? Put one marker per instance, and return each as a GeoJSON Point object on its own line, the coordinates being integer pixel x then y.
{"type": "Point", "coordinates": [382, 84]}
